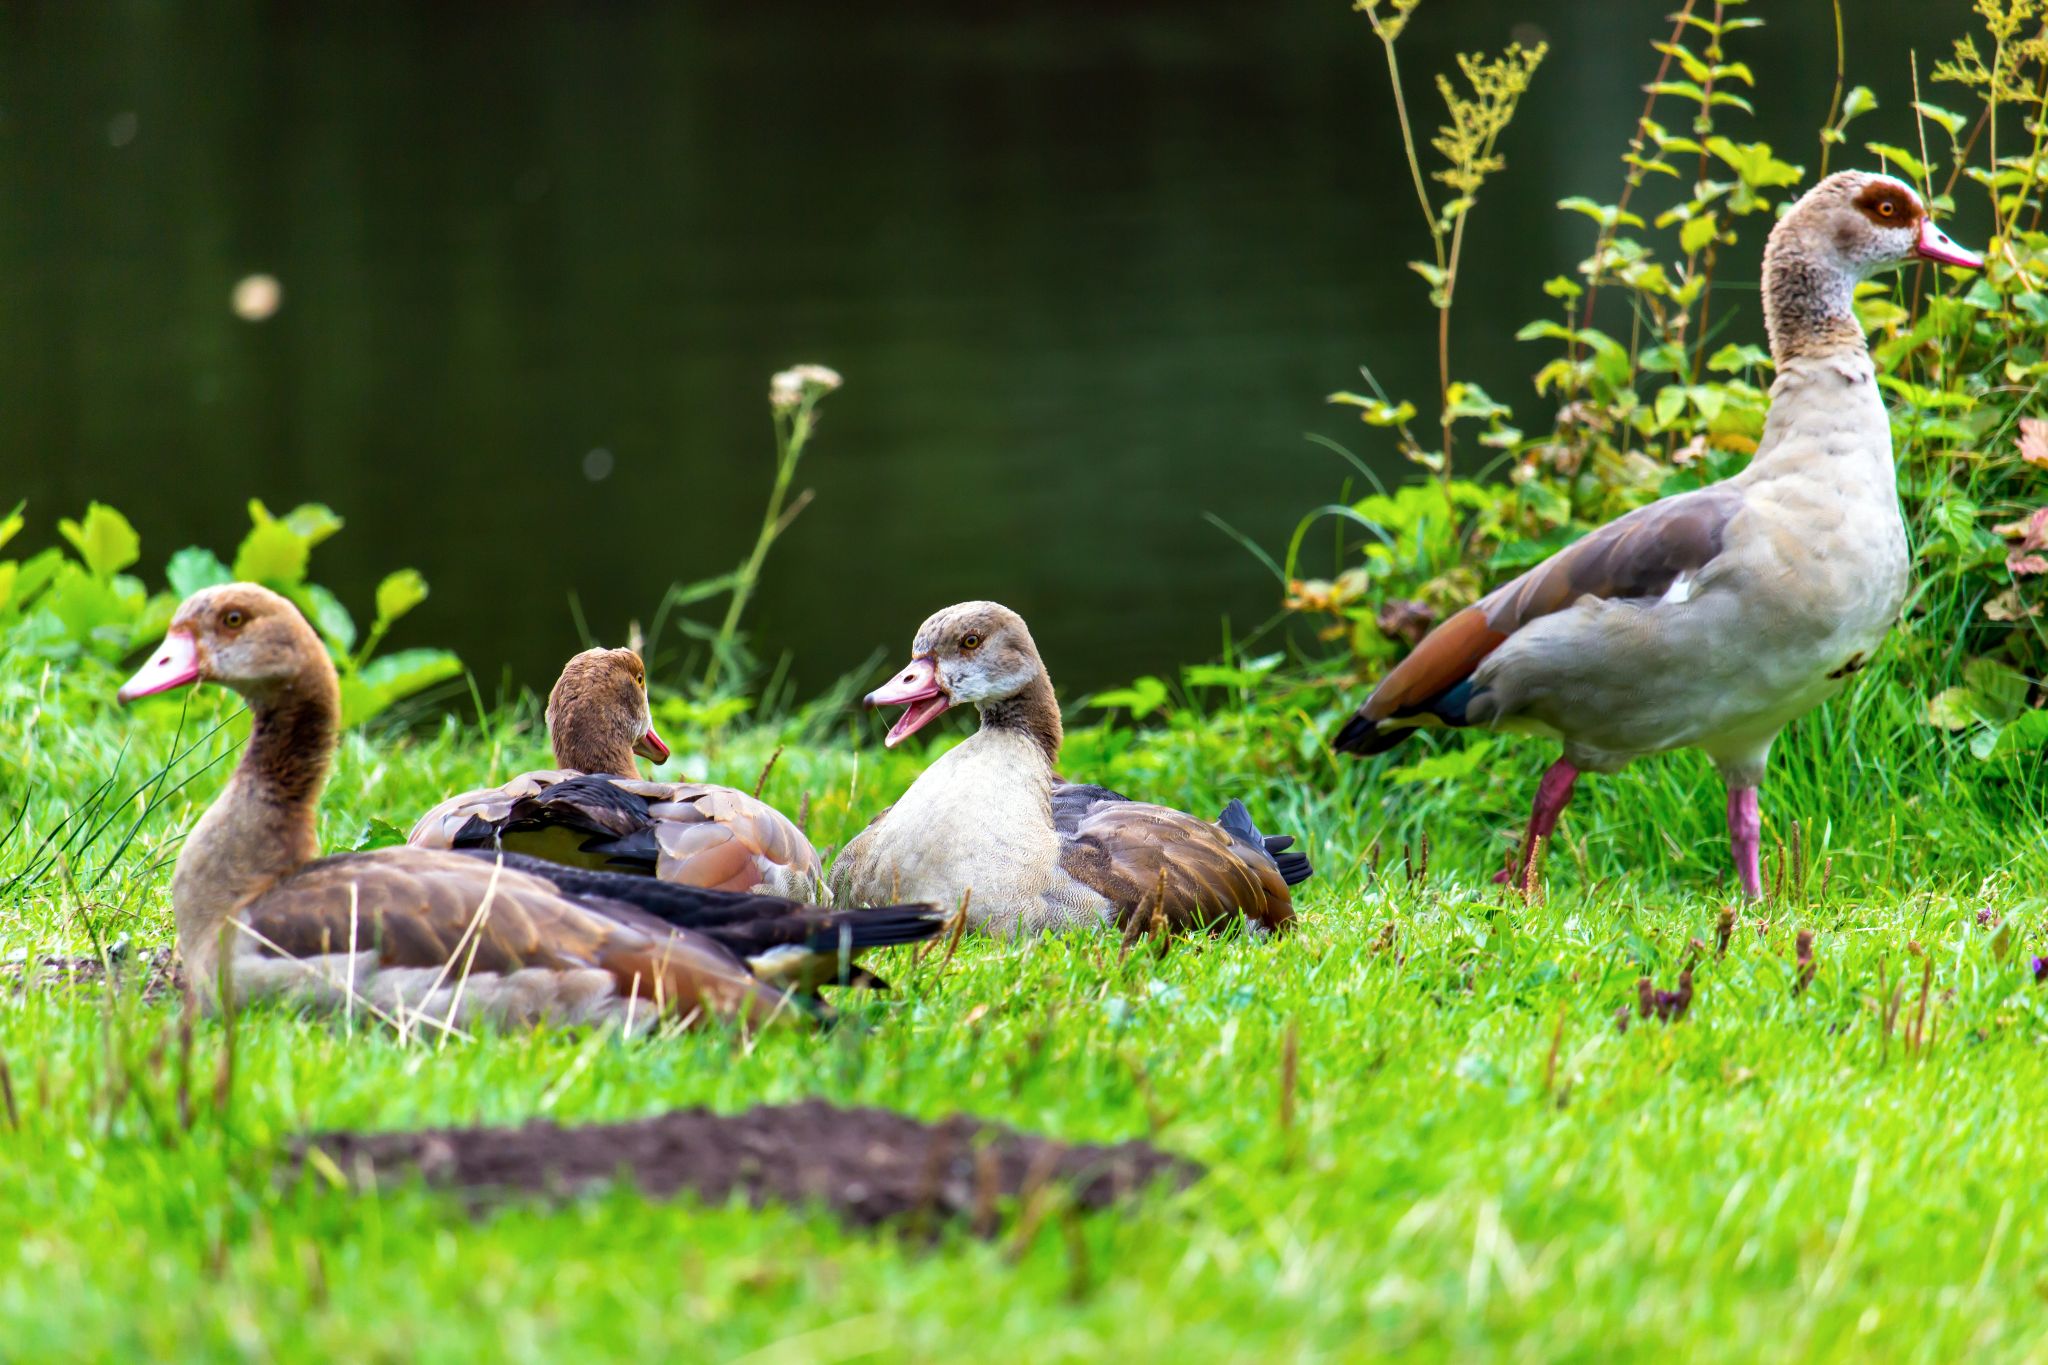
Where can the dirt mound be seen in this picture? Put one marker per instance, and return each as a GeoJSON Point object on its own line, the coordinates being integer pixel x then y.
{"type": "Point", "coordinates": [156, 969]}
{"type": "Point", "coordinates": [868, 1165]}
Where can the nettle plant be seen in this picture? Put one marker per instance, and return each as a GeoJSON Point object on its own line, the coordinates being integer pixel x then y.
{"type": "Point", "coordinates": [84, 605]}
{"type": "Point", "coordinates": [1651, 396]}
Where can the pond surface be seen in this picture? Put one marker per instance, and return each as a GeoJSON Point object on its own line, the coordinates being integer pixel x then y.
{"type": "Point", "coordinates": [1089, 270]}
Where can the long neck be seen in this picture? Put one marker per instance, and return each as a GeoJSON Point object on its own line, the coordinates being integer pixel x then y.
{"type": "Point", "coordinates": [1035, 711]}
{"type": "Point", "coordinates": [579, 748]}
{"type": "Point", "coordinates": [261, 829]}
{"type": "Point", "coordinates": [1807, 308]}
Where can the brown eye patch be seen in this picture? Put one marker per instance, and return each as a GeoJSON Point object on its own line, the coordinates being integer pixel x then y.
{"type": "Point", "coordinates": [1888, 206]}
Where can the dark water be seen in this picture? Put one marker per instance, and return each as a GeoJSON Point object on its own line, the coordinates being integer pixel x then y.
{"type": "Point", "coordinates": [1089, 270]}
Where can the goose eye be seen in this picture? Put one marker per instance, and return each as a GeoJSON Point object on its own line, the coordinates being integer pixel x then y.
{"type": "Point", "coordinates": [971, 640]}
{"type": "Point", "coordinates": [1888, 209]}
{"type": "Point", "coordinates": [233, 618]}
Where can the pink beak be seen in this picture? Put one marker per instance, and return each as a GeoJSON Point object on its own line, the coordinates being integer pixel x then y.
{"type": "Point", "coordinates": [1937, 245]}
{"type": "Point", "coordinates": [175, 664]}
{"type": "Point", "coordinates": [916, 687]}
{"type": "Point", "coordinates": [651, 748]}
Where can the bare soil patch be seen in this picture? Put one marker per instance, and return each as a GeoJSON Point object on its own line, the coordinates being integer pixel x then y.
{"type": "Point", "coordinates": [870, 1166]}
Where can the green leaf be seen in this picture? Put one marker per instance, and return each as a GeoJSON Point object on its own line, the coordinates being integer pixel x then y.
{"type": "Point", "coordinates": [1144, 696]}
{"type": "Point", "coordinates": [392, 678]}
{"type": "Point", "coordinates": [1557, 286]}
{"type": "Point", "coordinates": [2025, 737]}
{"type": "Point", "coordinates": [194, 568]}
{"type": "Point", "coordinates": [1696, 233]}
{"type": "Point", "coordinates": [2001, 691]}
{"type": "Point", "coordinates": [313, 521]}
{"type": "Point", "coordinates": [1858, 102]}
{"type": "Point", "coordinates": [1904, 160]}
{"type": "Point", "coordinates": [1754, 163]}
{"type": "Point", "coordinates": [104, 540]}
{"type": "Point", "coordinates": [1670, 403]}
{"type": "Point", "coordinates": [1449, 766]}
{"type": "Point", "coordinates": [1952, 124]}
{"type": "Point", "coordinates": [1247, 674]}
{"type": "Point", "coordinates": [329, 617]}
{"type": "Point", "coordinates": [398, 594]}
{"type": "Point", "coordinates": [1733, 358]}
{"type": "Point", "coordinates": [378, 834]}
{"type": "Point", "coordinates": [10, 525]}
{"type": "Point", "coordinates": [272, 553]}
{"type": "Point", "coordinates": [1954, 708]}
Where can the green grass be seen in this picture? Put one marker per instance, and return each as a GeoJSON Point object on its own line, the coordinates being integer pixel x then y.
{"type": "Point", "coordinates": [1478, 1163]}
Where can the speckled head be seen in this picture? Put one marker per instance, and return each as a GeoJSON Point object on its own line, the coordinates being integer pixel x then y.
{"type": "Point", "coordinates": [1843, 230]}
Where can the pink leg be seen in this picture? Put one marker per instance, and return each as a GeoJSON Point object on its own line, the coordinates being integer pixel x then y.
{"type": "Point", "coordinates": [1745, 838]}
{"type": "Point", "coordinates": [1553, 794]}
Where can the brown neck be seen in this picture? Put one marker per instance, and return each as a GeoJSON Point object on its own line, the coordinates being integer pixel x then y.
{"type": "Point", "coordinates": [261, 829]}
{"type": "Point", "coordinates": [1807, 304]}
{"type": "Point", "coordinates": [1035, 711]}
{"type": "Point", "coordinates": [579, 750]}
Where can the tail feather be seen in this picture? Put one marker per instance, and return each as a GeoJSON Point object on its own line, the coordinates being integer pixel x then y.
{"type": "Point", "coordinates": [1236, 821]}
{"type": "Point", "coordinates": [884, 926]}
{"type": "Point", "coordinates": [1363, 734]}
{"type": "Point", "coordinates": [1294, 867]}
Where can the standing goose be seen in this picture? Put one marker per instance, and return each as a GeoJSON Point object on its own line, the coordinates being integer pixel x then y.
{"type": "Point", "coordinates": [595, 812]}
{"type": "Point", "coordinates": [992, 827]}
{"type": "Point", "coordinates": [441, 934]}
{"type": "Point", "coordinates": [1711, 619]}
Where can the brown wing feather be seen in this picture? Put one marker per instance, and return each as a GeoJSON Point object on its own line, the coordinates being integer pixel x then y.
{"type": "Point", "coordinates": [414, 908]}
{"type": "Point", "coordinates": [1639, 555]}
{"type": "Point", "coordinates": [701, 835]}
{"type": "Point", "coordinates": [1155, 859]}
{"type": "Point", "coordinates": [714, 836]}
{"type": "Point", "coordinates": [439, 826]}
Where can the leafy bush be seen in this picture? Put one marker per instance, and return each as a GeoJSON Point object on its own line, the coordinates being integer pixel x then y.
{"type": "Point", "coordinates": [84, 605]}
{"type": "Point", "coordinates": [1651, 396]}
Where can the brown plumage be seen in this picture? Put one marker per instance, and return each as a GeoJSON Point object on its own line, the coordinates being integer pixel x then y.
{"type": "Point", "coordinates": [1158, 862]}
{"type": "Point", "coordinates": [594, 812]}
{"type": "Point", "coordinates": [1634, 558]}
{"type": "Point", "coordinates": [435, 936]}
{"type": "Point", "coordinates": [990, 827]}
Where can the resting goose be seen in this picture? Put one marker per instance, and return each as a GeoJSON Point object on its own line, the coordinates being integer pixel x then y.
{"type": "Point", "coordinates": [992, 827]}
{"type": "Point", "coordinates": [594, 811]}
{"type": "Point", "coordinates": [1711, 619]}
{"type": "Point", "coordinates": [446, 935]}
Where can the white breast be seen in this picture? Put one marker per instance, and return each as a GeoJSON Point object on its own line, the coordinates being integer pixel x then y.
{"type": "Point", "coordinates": [975, 830]}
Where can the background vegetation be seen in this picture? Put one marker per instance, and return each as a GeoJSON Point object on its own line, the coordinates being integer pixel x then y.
{"type": "Point", "coordinates": [1438, 1118]}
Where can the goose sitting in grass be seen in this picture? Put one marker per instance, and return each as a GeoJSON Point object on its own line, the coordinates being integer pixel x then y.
{"type": "Point", "coordinates": [1711, 619]}
{"type": "Point", "coordinates": [439, 935]}
{"type": "Point", "coordinates": [991, 827]}
{"type": "Point", "coordinates": [594, 810]}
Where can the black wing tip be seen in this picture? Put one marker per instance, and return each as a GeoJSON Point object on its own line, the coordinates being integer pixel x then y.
{"type": "Point", "coordinates": [1364, 735]}
{"type": "Point", "coordinates": [1237, 821]}
{"type": "Point", "coordinates": [1294, 867]}
{"type": "Point", "coordinates": [884, 926]}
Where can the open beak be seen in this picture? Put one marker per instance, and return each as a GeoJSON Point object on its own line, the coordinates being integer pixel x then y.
{"type": "Point", "coordinates": [1936, 245]}
{"type": "Point", "coordinates": [650, 747]}
{"type": "Point", "coordinates": [917, 689]}
{"type": "Point", "coordinates": [175, 663]}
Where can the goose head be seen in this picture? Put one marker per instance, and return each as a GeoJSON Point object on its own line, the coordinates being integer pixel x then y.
{"type": "Point", "coordinates": [970, 654]}
{"type": "Point", "coordinates": [1863, 222]}
{"type": "Point", "coordinates": [1842, 231]}
{"type": "Point", "coordinates": [240, 635]}
{"type": "Point", "coordinates": [598, 715]}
